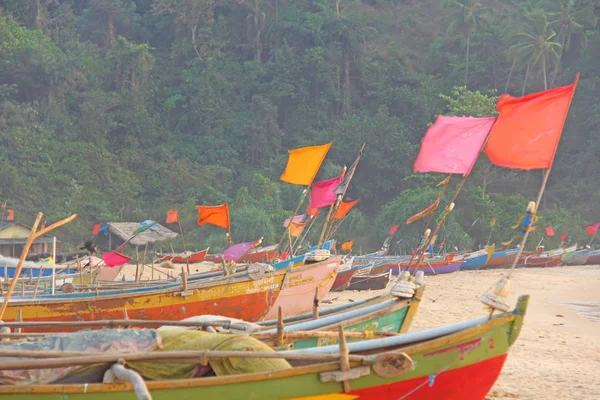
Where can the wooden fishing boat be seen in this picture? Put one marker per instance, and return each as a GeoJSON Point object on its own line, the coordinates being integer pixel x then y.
{"type": "Point", "coordinates": [235, 297]}
{"type": "Point", "coordinates": [593, 258]}
{"type": "Point", "coordinates": [345, 273]}
{"type": "Point", "coordinates": [370, 281]}
{"type": "Point", "coordinates": [183, 258]}
{"type": "Point", "coordinates": [580, 257]}
{"type": "Point", "coordinates": [434, 268]}
{"type": "Point", "coordinates": [260, 254]}
{"type": "Point", "coordinates": [569, 254]}
{"type": "Point", "coordinates": [34, 271]}
{"type": "Point", "coordinates": [460, 361]}
{"type": "Point", "coordinates": [540, 261]}
{"type": "Point", "coordinates": [301, 283]}
{"type": "Point", "coordinates": [478, 258]}
{"type": "Point", "coordinates": [507, 257]}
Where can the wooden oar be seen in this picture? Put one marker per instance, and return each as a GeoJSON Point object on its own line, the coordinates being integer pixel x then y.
{"type": "Point", "coordinates": [56, 359]}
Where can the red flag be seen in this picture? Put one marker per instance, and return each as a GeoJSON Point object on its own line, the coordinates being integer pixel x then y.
{"type": "Point", "coordinates": [563, 236]}
{"type": "Point", "coordinates": [313, 212]}
{"type": "Point", "coordinates": [4, 205]}
{"type": "Point", "coordinates": [172, 216]}
{"type": "Point", "coordinates": [344, 209]}
{"type": "Point", "coordinates": [214, 215]}
{"type": "Point", "coordinates": [393, 229]}
{"type": "Point", "coordinates": [527, 132]}
{"type": "Point", "coordinates": [96, 229]}
{"type": "Point", "coordinates": [593, 229]}
{"type": "Point", "coordinates": [10, 215]}
{"type": "Point", "coordinates": [549, 231]}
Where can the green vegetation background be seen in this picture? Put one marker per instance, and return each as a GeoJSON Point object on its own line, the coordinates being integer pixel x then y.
{"type": "Point", "coordinates": [120, 110]}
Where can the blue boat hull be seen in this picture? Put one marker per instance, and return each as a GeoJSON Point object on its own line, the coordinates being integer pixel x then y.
{"type": "Point", "coordinates": [33, 272]}
{"type": "Point", "coordinates": [475, 262]}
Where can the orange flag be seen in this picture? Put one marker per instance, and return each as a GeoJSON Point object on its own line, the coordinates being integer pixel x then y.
{"type": "Point", "coordinates": [313, 212]}
{"type": "Point", "coordinates": [11, 215]}
{"type": "Point", "coordinates": [4, 205]}
{"type": "Point", "coordinates": [304, 163]}
{"type": "Point", "coordinates": [347, 245]}
{"type": "Point", "coordinates": [214, 215]}
{"type": "Point", "coordinates": [172, 216]}
{"type": "Point", "coordinates": [527, 132]}
{"type": "Point", "coordinates": [296, 228]}
{"type": "Point", "coordinates": [344, 209]}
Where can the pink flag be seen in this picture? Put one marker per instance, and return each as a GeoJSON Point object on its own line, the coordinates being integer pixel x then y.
{"type": "Point", "coordinates": [234, 252]}
{"type": "Point", "coordinates": [115, 259]}
{"type": "Point", "coordinates": [452, 144]}
{"type": "Point", "coordinates": [393, 229]}
{"type": "Point", "coordinates": [549, 231]}
{"type": "Point", "coordinates": [323, 194]}
{"type": "Point", "coordinates": [297, 218]}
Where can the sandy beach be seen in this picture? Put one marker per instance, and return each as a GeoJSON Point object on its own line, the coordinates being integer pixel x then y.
{"type": "Point", "coordinates": [557, 355]}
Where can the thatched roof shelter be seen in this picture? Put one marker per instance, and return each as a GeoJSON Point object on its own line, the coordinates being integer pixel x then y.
{"type": "Point", "coordinates": [124, 230]}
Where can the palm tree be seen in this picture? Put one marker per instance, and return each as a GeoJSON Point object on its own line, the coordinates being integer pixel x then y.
{"type": "Point", "coordinates": [572, 24]}
{"type": "Point", "coordinates": [468, 17]}
{"type": "Point", "coordinates": [536, 45]}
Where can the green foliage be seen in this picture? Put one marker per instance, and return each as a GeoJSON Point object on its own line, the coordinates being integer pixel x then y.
{"type": "Point", "coordinates": [123, 109]}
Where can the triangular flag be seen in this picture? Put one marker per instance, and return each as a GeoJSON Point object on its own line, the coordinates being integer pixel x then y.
{"type": "Point", "coordinates": [303, 164]}
{"type": "Point", "coordinates": [563, 236]}
{"type": "Point", "coordinates": [428, 211]}
{"type": "Point", "coordinates": [592, 229]}
{"type": "Point", "coordinates": [115, 259]}
{"type": "Point", "coordinates": [5, 204]}
{"type": "Point", "coordinates": [527, 132]}
{"type": "Point", "coordinates": [549, 231]}
{"type": "Point", "coordinates": [296, 229]}
{"type": "Point", "coordinates": [172, 216]}
{"type": "Point", "coordinates": [393, 229]}
{"type": "Point", "coordinates": [214, 215]}
{"type": "Point", "coordinates": [346, 246]}
{"type": "Point", "coordinates": [343, 209]}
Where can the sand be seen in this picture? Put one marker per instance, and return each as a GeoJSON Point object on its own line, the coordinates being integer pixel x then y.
{"type": "Point", "coordinates": [557, 355]}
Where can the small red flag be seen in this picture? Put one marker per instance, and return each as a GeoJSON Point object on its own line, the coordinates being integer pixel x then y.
{"type": "Point", "coordinates": [313, 212]}
{"type": "Point", "coordinates": [592, 229]}
{"type": "Point", "coordinates": [4, 205]}
{"type": "Point", "coordinates": [11, 215]}
{"type": "Point", "coordinates": [214, 215]}
{"type": "Point", "coordinates": [115, 259]}
{"type": "Point", "coordinates": [393, 229]}
{"type": "Point", "coordinates": [96, 229]}
{"type": "Point", "coordinates": [563, 236]}
{"type": "Point", "coordinates": [172, 216]}
{"type": "Point", "coordinates": [549, 231]}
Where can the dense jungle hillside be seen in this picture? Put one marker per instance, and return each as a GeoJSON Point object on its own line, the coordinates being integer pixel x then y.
{"type": "Point", "coordinates": [120, 110]}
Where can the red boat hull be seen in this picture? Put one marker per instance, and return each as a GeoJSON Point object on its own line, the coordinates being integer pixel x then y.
{"type": "Point", "coordinates": [261, 255]}
{"type": "Point", "coordinates": [342, 280]}
{"type": "Point", "coordinates": [473, 382]}
{"type": "Point", "coordinates": [533, 261]}
{"type": "Point", "coordinates": [177, 259]}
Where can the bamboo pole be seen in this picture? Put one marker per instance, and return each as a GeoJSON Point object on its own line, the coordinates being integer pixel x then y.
{"type": "Point", "coordinates": [344, 357]}
{"type": "Point", "coordinates": [439, 225]}
{"type": "Point", "coordinates": [287, 229]}
{"type": "Point", "coordinates": [526, 234]}
{"type": "Point", "coordinates": [55, 359]}
{"type": "Point", "coordinates": [34, 235]}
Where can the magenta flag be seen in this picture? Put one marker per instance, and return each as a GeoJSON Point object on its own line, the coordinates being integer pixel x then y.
{"type": "Point", "coordinates": [592, 229]}
{"type": "Point", "coordinates": [297, 218]}
{"type": "Point", "coordinates": [322, 193]}
{"type": "Point", "coordinates": [452, 144]}
{"type": "Point", "coordinates": [234, 252]}
{"type": "Point", "coordinates": [115, 259]}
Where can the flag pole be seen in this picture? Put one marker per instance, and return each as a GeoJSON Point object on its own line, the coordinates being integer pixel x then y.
{"type": "Point", "coordinates": [592, 239]}
{"type": "Point", "coordinates": [181, 231]}
{"type": "Point", "coordinates": [338, 200]}
{"type": "Point", "coordinates": [305, 233]}
{"type": "Point", "coordinates": [438, 226]}
{"type": "Point", "coordinates": [287, 228]}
